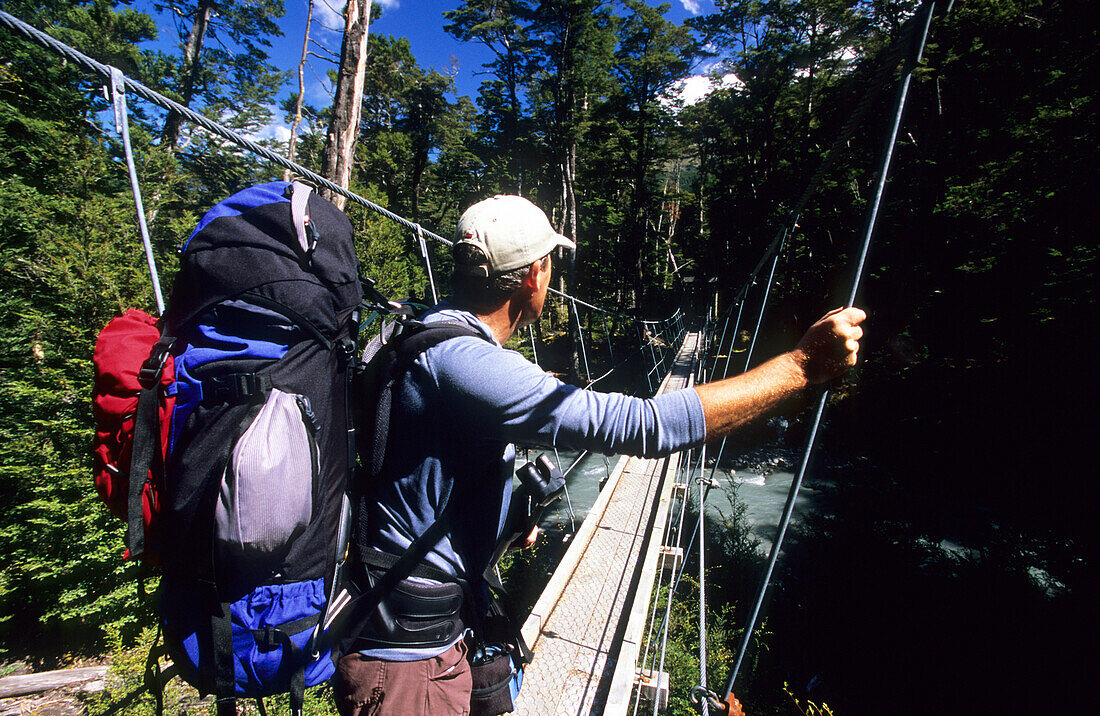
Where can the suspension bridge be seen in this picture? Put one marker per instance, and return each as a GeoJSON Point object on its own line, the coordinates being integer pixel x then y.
{"type": "Point", "coordinates": [597, 633]}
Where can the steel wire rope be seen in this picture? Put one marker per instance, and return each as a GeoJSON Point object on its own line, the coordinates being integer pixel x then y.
{"type": "Point", "coordinates": [580, 339]}
{"type": "Point", "coordinates": [643, 344]}
{"type": "Point", "coordinates": [733, 335]}
{"type": "Point", "coordinates": [607, 335]}
{"type": "Point", "coordinates": [702, 594]}
{"type": "Point", "coordinates": [427, 261]}
{"type": "Point", "coordinates": [657, 667]}
{"type": "Point", "coordinates": [705, 486]}
{"type": "Point", "coordinates": [651, 621]}
{"type": "Point", "coordinates": [122, 124]}
{"type": "Point", "coordinates": [678, 574]}
{"type": "Point", "coordinates": [752, 342]}
{"type": "Point", "coordinates": [718, 351]}
{"type": "Point", "coordinates": [666, 540]}
{"type": "Point", "coordinates": [568, 500]}
{"type": "Point", "coordinates": [918, 37]}
{"type": "Point", "coordinates": [534, 352]}
{"type": "Point", "coordinates": [654, 667]}
{"type": "Point", "coordinates": [674, 581]}
{"type": "Point", "coordinates": [702, 565]}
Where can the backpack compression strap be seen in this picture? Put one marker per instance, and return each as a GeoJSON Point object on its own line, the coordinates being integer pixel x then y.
{"type": "Point", "coordinates": [146, 445]}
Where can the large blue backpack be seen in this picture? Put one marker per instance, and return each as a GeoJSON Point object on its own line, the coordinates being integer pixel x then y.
{"type": "Point", "coordinates": [264, 316]}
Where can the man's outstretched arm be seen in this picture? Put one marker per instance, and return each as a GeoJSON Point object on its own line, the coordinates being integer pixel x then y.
{"type": "Point", "coordinates": [827, 350]}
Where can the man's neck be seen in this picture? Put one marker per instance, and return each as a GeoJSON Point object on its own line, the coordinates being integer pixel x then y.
{"type": "Point", "coordinates": [503, 322]}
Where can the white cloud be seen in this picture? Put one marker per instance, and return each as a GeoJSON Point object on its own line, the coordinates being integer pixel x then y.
{"type": "Point", "coordinates": [845, 55]}
{"type": "Point", "coordinates": [692, 6]}
{"type": "Point", "coordinates": [389, 4]}
{"type": "Point", "coordinates": [277, 130]}
{"type": "Point", "coordinates": [691, 90]}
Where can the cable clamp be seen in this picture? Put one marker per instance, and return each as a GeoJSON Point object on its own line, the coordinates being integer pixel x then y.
{"type": "Point", "coordinates": [420, 239]}
{"type": "Point", "coordinates": [714, 702]}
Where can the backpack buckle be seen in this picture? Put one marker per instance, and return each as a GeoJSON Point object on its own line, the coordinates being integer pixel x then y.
{"type": "Point", "coordinates": [153, 367]}
{"type": "Point", "coordinates": [235, 388]}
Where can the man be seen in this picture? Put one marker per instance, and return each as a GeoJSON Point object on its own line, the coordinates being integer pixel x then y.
{"type": "Point", "coordinates": [466, 401]}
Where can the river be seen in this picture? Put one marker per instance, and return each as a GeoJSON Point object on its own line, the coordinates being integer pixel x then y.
{"type": "Point", "coordinates": [762, 487]}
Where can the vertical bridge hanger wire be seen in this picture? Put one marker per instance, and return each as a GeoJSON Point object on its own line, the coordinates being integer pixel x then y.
{"type": "Point", "coordinates": [918, 37]}
{"type": "Point", "coordinates": [122, 125]}
{"type": "Point", "coordinates": [427, 261]}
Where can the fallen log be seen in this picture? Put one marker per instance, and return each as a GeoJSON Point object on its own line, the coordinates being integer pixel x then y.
{"type": "Point", "coordinates": [48, 680]}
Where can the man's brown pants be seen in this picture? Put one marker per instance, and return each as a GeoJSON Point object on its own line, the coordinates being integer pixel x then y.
{"type": "Point", "coordinates": [372, 687]}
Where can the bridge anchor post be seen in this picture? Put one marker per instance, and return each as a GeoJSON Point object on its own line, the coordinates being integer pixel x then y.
{"type": "Point", "coordinates": [670, 559]}
{"type": "Point", "coordinates": [653, 687]}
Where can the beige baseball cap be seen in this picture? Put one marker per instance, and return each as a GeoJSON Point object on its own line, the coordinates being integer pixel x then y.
{"type": "Point", "coordinates": [511, 231]}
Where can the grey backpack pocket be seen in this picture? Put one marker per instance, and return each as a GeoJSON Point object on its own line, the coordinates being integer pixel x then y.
{"type": "Point", "coordinates": [267, 491]}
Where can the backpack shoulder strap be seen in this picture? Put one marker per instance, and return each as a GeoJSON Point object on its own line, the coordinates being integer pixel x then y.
{"type": "Point", "coordinates": [412, 340]}
{"type": "Point", "coordinates": [419, 337]}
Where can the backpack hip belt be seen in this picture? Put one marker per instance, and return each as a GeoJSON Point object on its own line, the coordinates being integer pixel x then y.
{"type": "Point", "coordinates": [413, 615]}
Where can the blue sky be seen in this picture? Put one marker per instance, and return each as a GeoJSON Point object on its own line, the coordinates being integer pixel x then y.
{"type": "Point", "coordinates": [421, 21]}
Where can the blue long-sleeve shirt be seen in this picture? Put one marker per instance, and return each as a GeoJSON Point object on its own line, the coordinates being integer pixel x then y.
{"type": "Point", "coordinates": [460, 408]}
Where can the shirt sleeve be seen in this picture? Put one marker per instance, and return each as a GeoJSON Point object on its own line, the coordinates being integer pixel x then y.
{"type": "Point", "coordinates": [501, 395]}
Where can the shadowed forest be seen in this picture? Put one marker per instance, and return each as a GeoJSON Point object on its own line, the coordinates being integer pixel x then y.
{"type": "Point", "coordinates": [953, 569]}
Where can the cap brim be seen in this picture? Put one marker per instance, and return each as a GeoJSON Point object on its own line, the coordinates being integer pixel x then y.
{"type": "Point", "coordinates": [565, 242]}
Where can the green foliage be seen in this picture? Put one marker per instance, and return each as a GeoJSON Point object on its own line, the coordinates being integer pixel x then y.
{"type": "Point", "coordinates": [982, 284]}
{"type": "Point", "coordinates": [809, 708]}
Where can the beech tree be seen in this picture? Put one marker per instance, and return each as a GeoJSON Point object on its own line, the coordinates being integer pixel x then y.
{"type": "Point", "coordinates": [224, 66]}
{"type": "Point", "coordinates": [652, 54]}
{"type": "Point", "coordinates": [500, 26]}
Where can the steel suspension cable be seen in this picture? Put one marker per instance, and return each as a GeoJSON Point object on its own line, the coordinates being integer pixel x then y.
{"type": "Point", "coordinates": [655, 666]}
{"type": "Point", "coordinates": [702, 569]}
{"type": "Point", "coordinates": [763, 305]}
{"type": "Point", "coordinates": [677, 573]}
{"type": "Point", "coordinates": [718, 350]}
{"type": "Point", "coordinates": [922, 21]}
{"type": "Point", "coordinates": [702, 592]}
{"type": "Point", "coordinates": [733, 338]}
{"type": "Point", "coordinates": [684, 474]}
{"type": "Point", "coordinates": [534, 353]}
{"type": "Point", "coordinates": [607, 335]}
{"type": "Point", "coordinates": [674, 578]}
{"type": "Point", "coordinates": [580, 338]}
{"type": "Point", "coordinates": [707, 485]}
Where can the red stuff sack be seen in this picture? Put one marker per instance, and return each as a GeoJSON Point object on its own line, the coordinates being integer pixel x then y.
{"type": "Point", "coordinates": [132, 363]}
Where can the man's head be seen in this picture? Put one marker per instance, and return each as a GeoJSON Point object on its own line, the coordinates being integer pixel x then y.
{"type": "Point", "coordinates": [500, 244]}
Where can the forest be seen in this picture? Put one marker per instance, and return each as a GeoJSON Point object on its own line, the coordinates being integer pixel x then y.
{"type": "Point", "coordinates": [954, 569]}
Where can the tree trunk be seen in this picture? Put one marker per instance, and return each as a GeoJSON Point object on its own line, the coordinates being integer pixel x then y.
{"type": "Point", "coordinates": [301, 92]}
{"type": "Point", "coordinates": [174, 122]}
{"type": "Point", "coordinates": [343, 130]}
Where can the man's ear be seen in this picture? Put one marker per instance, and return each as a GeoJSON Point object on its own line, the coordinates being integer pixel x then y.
{"type": "Point", "coordinates": [531, 280]}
